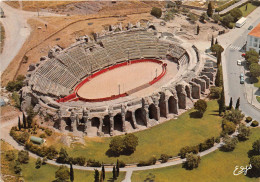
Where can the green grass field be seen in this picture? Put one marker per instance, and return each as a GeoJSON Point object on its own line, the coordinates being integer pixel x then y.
{"type": "Point", "coordinates": [215, 167]}
{"type": "Point", "coordinates": [250, 9]}
{"type": "Point", "coordinates": [168, 138]}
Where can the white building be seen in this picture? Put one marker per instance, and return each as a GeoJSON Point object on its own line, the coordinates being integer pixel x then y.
{"type": "Point", "coordinates": [253, 39]}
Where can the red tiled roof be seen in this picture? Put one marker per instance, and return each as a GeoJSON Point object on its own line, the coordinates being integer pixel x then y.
{"type": "Point", "coordinates": [256, 31]}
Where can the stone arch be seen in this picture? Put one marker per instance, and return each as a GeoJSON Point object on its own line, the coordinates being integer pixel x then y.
{"type": "Point", "coordinates": [139, 117]}
{"type": "Point", "coordinates": [95, 122]}
{"type": "Point", "coordinates": [187, 90]}
{"type": "Point", "coordinates": [118, 122]}
{"type": "Point", "coordinates": [129, 118]}
{"type": "Point", "coordinates": [106, 125]}
{"type": "Point", "coordinates": [152, 111]}
{"type": "Point", "coordinates": [152, 27]}
{"type": "Point", "coordinates": [163, 106]}
{"type": "Point", "coordinates": [173, 106]}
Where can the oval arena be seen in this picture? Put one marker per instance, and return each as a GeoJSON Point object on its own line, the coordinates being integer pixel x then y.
{"type": "Point", "coordinates": [125, 80]}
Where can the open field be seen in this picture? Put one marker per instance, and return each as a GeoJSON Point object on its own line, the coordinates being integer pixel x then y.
{"type": "Point", "coordinates": [46, 172]}
{"type": "Point", "coordinates": [167, 138]}
{"type": "Point", "coordinates": [2, 37]}
{"type": "Point", "coordinates": [217, 166]}
{"type": "Point", "coordinates": [250, 8]}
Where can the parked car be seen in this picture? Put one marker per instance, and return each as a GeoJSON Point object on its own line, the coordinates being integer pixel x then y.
{"type": "Point", "coordinates": [239, 62]}
{"type": "Point", "coordinates": [242, 80]}
{"type": "Point", "coordinates": [249, 28]}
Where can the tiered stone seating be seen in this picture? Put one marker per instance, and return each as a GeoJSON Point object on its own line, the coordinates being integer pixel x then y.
{"type": "Point", "coordinates": [101, 58]}
{"type": "Point", "coordinates": [176, 51]}
{"type": "Point", "coordinates": [183, 60]}
{"type": "Point", "coordinates": [162, 48]}
{"type": "Point", "coordinates": [147, 44]}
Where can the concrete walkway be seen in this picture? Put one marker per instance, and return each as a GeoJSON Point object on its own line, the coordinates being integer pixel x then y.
{"type": "Point", "coordinates": [232, 6]}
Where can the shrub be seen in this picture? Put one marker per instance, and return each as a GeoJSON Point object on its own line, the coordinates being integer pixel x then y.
{"type": "Point", "coordinates": [48, 132]}
{"type": "Point", "coordinates": [206, 144]}
{"type": "Point", "coordinates": [42, 136]}
{"type": "Point", "coordinates": [230, 144]}
{"type": "Point", "coordinates": [228, 127]}
{"type": "Point", "coordinates": [215, 92]}
{"type": "Point", "coordinates": [44, 160]}
{"type": "Point", "coordinates": [15, 85]}
{"type": "Point", "coordinates": [248, 119]}
{"type": "Point", "coordinates": [255, 162]}
{"type": "Point", "coordinates": [194, 149]}
{"type": "Point", "coordinates": [38, 163]}
{"type": "Point", "coordinates": [256, 147]}
{"type": "Point", "coordinates": [193, 18]}
{"type": "Point", "coordinates": [10, 155]}
{"type": "Point", "coordinates": [23, 156]}
{"type": "Point", "coordinates": [17, 167]}
{"type": "Point", "coordinates": [234, 115]}
{"type": "Point", "coordinates": [16, 98]}
{"type": "Point", "coordinates": [254, 123]}
{"type": "Point", "coordinates": [93, 163]}
{"type": "Point", "coordinates": [130, 143]}
{"type": "Point", "coordinates": [116, 145]}
{"type": "Point", "coordinates": [164, 158]}
{"type": "Point", "coordinates": [81, 160]}
{"type": "Point", "coordinates": [243, 132]}
{"type": "Point", "coordinates": [121, 163]}
{"type": "Point", "coordinates": [201, 106]}
{"type": "Point", "coordinates": [217, 140]}
{"type": "Point", "coordinates": [149, 162]}
{"type": "Point", "coordinates": [157, 12]}
{"type": "Point", "coordinates": [192, 161]}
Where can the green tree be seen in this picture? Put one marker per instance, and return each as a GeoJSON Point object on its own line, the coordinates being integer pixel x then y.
{"type": "Point", "coordinates": [238, 103]}
{"type": "Point", "coordinates": [252, 59]}
{"type": "Point", "coordinates": [96, 175]}
{"type": "Point", "coordinates": [51, 152]}
{"type": "Point", "coordinates": [230, 103]}
{"type": "Point", "coordinates": [117, 168]}
{"type": "Point", "coordinates": [210, 9]}
{"type": "Point", "coordinates": [234, 115]}
{"type": "Point", "coordinates": [236, 13]}
{"type": "Point", "coordinates": [19, 123]}
{"type": "Point", "coordinates": [38, 163]}
{"type": "Point", "coordinates": [114, 173]}
{"type": "Point", "coordinates": [10, 155]}
{"type": "Point", "coordinates": [227, 20]}
{"type": "Point", "coordinates": [204, 17]}
{"type": "Point", "coordinates": [256, 147]}
{"type": "Point", "coordinates": [201, 106]}
{"type": "Point", "coordinates": [103, 172]}
{"type": "Point", "coordinates": [101, 177]}
{"type": "Point", "coordinates": [254, 69]}
{"type": "Point", "coordinates": [217, 48]}
{"type": "Point", "coordinates": [216, 42]}
{"type": "Point", "coordinates": [23, 156]}
{"type": "Point", "coordinates": [157, 12]}
{"type": "Point", "coordinates": [218, 58]}
{"type": "Point", "coordinates": [221, 102]}
{"type": "Point", "coordinates": [251, 53]}
{"type": "Point", "coordinates": [230, 144]}
{"type": "Point", "coordinates": [255, 162]}
{"type": "Point", "coordinates": [71, 173]}
{"type": "Point", "coordinates": [243, 132]}
{"type": "Point", "coordinates": [246, 8]}
{"type": "Point", "coordinates": [216, 18]}
{"type": "Point", "coordinates": [30, 116]}
{"type": "Point", "coordinates": [228, 127]}
{"type": "Point", "coordinates": [116, 145]}
{"type": "Point", "coordinates": [192, 161]}
{"type": "Point", "coordinates": [193, 18]}
{"type": "Point", "coordinates": [198, 29]}
{"type": "Point", "coordinates": [62, 174]}
{"type": "Point", "coordinates": [17, 167]}
{"type": "Point", "coordinates": [44, 160]}
{"type": "Point", "coordinates": [63, 156]}
{"type": "Point", "coordinates": [215, 92]}
{"type": "Point", "coordinates": [130, 143]}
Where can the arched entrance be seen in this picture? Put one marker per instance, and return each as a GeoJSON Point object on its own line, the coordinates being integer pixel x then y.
{"type": "Point", "coordinates": [118, 122]}
{"type": "Point", "coordinates": [172, 104]}
{"type": "Point", "coordinates": [139, 117]}
{"type": "Point", "coordinates": [106, 125]}
{"type": "Point", "coordinates": [152, 112]}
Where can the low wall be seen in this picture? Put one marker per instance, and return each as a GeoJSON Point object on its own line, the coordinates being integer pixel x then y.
{"type": "Point", "coordinates": [76, 97]}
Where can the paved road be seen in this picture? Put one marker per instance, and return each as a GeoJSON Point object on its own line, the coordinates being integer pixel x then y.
{"type": "Point", "coordinates": [16, 31]}
{"type": "Point", "coordinates": [233, 41]}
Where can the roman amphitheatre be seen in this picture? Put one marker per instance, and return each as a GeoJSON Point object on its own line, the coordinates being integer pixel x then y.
{"type": "Point", "coordinates": [123, 80]}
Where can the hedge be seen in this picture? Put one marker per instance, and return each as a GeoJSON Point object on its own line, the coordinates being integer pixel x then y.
{"type": "Point", "coordinates": [254, 123]}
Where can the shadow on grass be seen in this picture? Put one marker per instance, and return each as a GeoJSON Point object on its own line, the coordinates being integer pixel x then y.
{"type": "Point", "coordinates": [251, 153]}
{"type": "Point", "coordinates": [253, 173]}
{"type": "Point", "coordinates": [195, 114]}
{"type": "Point", "coordinates": [110, 153]}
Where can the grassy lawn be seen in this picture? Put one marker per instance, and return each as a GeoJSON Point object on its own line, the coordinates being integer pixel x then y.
{"type": "Point", "coordinates": [250, 8]}
{"type": "Point", "coordinates": [217, 166]}
{"type": "Point", "coordinates": [258, 98]}
{"type": "Point", "coordinates": [257, 84]}
{"type": "Point", "coordinates": [47, 172]}
{"type": "Point", "coordinates": [167, 138]}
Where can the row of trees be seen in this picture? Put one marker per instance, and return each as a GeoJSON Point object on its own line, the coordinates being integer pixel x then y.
{"type": "Point", "coordinates": [252, 58]}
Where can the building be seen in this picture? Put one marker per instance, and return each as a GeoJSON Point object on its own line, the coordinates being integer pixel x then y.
{"type": "Point", "coordinates": [36, 140]}
{"type": "Point", "coordinates": [253, 39]}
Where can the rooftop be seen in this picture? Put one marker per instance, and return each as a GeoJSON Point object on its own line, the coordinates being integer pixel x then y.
{"type": "Point", "coordinates": [256, 31]}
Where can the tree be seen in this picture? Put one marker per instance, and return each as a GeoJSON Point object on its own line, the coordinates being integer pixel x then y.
{"type": "Point", "coordinates": [51, 152]}
{"type": "Point", "coordinates": [24, 121]}
{"type": "Point", "coordinates": [230, 103]}
{"type": "Point", "coordinates": [228, 19]}
{"type": "Point", "coordinates": [17, 167]}
{"type": "Point", "coordinates": [62, 174]}
{"type": "Point", "coordinates": [198, 29]}
{"type": "Point", "coordinates": [236, 13]}
{"type": "Point", "coordinates": [71, 173]}
{"type": "Point", "coordinates": [30, 116]}
{"type": "Point", "coordinates": [114, 173]}
{"type": "Point", "coordinates": [38, 163]}
{"type": "Point", "coordinates": [243, 132]}
{"type": "Point", "coordinates": [221, 102]}
{"type": "Point", "coordinates": [210, 9]}
{"type": "Point", "coordinates": [116, 145]}
{"type": "Point", "coordinates": [246, 8]}
{"type": "Point", "coordinates": [103, 172]}
{"type": "Point", "coordinates": [130, 143]}
{"type": "Point", "coordinates": [251, 53]}
{"type": "Point", "coordinates": [192, 161]}
{"type": "Point", "coordinates": [216, 18]}
{"type": "Point", "coordinates": [63, 156]}
{"type": "Point", "coordinates": [230, 144]}
{"type": "Point", "coordinates": [192, 17]}
{"type": "Point", "coordinates": [117, 168]}
{"type": "Point", "coordinates": [157, 12]}
{"type": "Point", "coordinates": [252, 59]}
{"type": "Point", "coordinates": [19, 123]}
{"type": "Point", "coordinates": [101, 177]}
{"type": "Point", "coordinates": [201, 106]}
{"type": "Point", "coordinates": [212, 40]}
{"type": "Point", "coordinates": [215, 92]}
{"type": "Point", "coordinates": [238, 103]}
{"type": "Point", "coordinates": [216, 42]}
{"type": "Point", "coordinates": [216, 48]}
{"type": "Point", "coordinates": [44, 160]}
{"type": "Point", "coordinates": [218, 58]}
{"type": "Point", "coordinates": [10, 155]}
{"type": "Point", "coordinates": [23, 156]}
{"type": "Point", "coordinates": [96, 175]}
{"type": "Point", "coordinates": [256, 147]}
{"type": "Point", "coordinates": [255, 162]}
{"type": "Point", "coordinates": [254, 69]}
{"type": "Point", "coordinates": [234, 115]}
{"type": "Point", "coordinates": [228, 127]}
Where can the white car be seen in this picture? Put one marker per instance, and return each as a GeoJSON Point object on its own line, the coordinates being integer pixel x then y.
{"type": "Point", "coordinates": [239, 62]}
